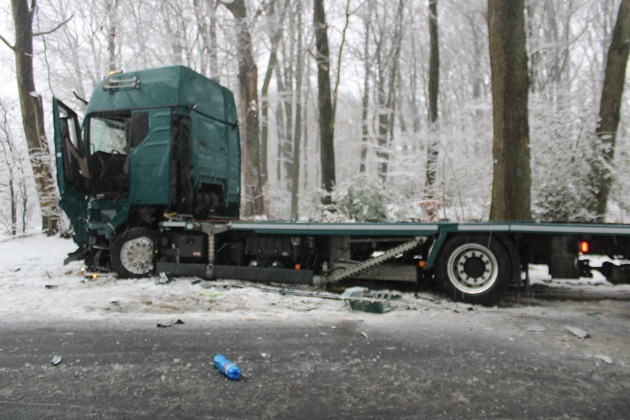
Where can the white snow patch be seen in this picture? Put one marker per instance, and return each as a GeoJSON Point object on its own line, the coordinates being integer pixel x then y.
{"type": "Point", "coordinates": [35, 285]}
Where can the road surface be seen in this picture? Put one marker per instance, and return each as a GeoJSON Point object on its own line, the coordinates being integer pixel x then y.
{"type": "Point", "coordinates": [439, 362]}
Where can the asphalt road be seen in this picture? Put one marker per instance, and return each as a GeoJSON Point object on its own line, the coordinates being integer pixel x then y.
{"type": "Point", "coordinates": [454, 364]}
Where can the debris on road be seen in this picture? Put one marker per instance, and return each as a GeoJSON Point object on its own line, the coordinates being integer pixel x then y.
{"type": "Point", "coordinates": [170, 323]}
{"type": "Point", "coordinates": [536, 328]}
{"type": "Point", "coordinates": [163, 278]}
{"type": "Point", "coordinates": [214, 295]}
{"type": "Point", "coordinates": [578, 332]}
{"type": "Point", "coordinates": [226, 367]}
{"type": "Point", "coordinates": [50, 286]}
{"type": "Point", "coordinates": [360, 299]}
{"type": "Point", "coordinates": [56, 360]}
{"type": "Point", "coordinates": [606, 359]}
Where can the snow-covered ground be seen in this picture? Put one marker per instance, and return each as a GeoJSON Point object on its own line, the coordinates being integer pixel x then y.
{"type": "Point", "coordinates": [35, 285]}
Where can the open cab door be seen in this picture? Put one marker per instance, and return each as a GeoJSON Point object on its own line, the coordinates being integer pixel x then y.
{"type": "Point", "coordinates": [72, 170]}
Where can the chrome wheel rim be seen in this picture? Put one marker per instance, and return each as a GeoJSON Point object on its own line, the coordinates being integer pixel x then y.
{"type": "Point", "coordinates": [472, 268]}
{"type": "Point", "coordinates": [136, 255]}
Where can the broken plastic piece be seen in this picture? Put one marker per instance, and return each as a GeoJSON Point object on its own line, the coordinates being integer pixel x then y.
{"type": "Point", "coordinates": [606, 359]}
{"type": "Point", "coordinates": [163, 278]}
{"type": "Point", "coordinates": [170, 323]}
{"type": "Point", "coordinates": [578, 332]}
{"type": "Point", "coordinates": [55, 360]}
{"type": "Point", "coordinates": [360, 300]}
{"type": "Point", "coordinates": [536, 328]}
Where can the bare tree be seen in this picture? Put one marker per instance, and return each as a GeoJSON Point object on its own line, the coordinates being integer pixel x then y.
{"type": "Point", "coordinates": [248, 85]}
{"type": "Point", "coordinates": [297, 146]}
{"type": "Point", "coordinates": [8, 152]}
{"type": "Point", "coordinates": [610, 104]}
{"type": "Point", "coordinates": [511, 184]}
{"type": "Point", "coordinates": [33, 113]}
{"type": "Point", "coordinates": [365, 99]}
{"type": "Point", "coordinates": [276, 34]}
{"type": "Point", "coordinates": [434, 83]}
{"type": "Point", "coordinates": [324, 101]}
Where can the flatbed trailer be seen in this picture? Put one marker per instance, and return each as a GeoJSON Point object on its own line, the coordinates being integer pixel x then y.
{"type": "Point", "coordinates": [150, 181]}
{"type": "Point", "coordinates": [474, 262]}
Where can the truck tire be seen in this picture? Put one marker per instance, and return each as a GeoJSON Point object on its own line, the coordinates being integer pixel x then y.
{"type": "Point", "coordinates": [474, 268]}
{"type": "Point", "coordinates": [132, 252]}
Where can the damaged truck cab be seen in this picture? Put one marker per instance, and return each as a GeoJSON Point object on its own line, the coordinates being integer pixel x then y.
{"type": "Point", "coordinates": [152, 142]}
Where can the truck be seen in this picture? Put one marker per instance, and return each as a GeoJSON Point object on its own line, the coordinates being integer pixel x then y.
{"type": "Point", "coordinates": [150, 182]}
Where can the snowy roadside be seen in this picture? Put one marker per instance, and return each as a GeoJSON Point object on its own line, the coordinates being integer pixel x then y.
{"type": "Point", "coordinates": [35, 285]}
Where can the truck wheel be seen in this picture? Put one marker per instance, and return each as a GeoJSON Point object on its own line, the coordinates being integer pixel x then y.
{"type": "Point", "coordinates": [474, 269]}
{"type": "Point", "coordinates": [132, 252]}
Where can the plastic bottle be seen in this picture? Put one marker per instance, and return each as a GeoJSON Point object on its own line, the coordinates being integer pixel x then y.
{"type": "Point", "coordinates": [228, 368]}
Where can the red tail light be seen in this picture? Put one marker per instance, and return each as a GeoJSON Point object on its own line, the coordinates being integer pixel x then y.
{"type": "Point", "coordinates": [584, 247]}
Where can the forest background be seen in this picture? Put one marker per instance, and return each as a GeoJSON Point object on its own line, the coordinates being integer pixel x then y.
{"type": "Point", "coordinates": [385, 130]}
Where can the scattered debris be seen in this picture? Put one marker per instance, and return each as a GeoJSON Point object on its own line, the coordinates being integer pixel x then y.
{"type": "Point", "coordinates": [214, 295]}
{"type": "Point", "coordinates": [226, 367]}
{"type": "Point", "coordinates": [56, 360]}
{"type": "Point", "coordinates": [50, 286]}
{"type": "Point", "coordinates": [170, 323]}
{"type": "Point", "coordinates": [536, 328]}
{"type": "Point", "coordinates": [364, 334]}
{"type": "Point", "coordinates": [163, 278]}
{"type": "Point", "coordinates": [360, 299]}
{"type": "Point", "coordinates": [594, 313]}
{"type": "Point", "coordinates": [606, 359]}
{"type": "Point", "coordinates": [578, 332]}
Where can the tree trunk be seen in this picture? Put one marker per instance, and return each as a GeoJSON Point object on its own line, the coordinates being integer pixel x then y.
{"type": "Point", "coordinates": [511, 183]}
{"type": "Point", "coordinates": [365, 100]}
{"type": "Point", "coordinates": [112, 7]}
{"type": "Point", "coordinates": [326, 127]}
{"type": "Point", "coordinates": [430, 193]}
{"type": "Point", "coordinates": [610, 105]}
{"type": "Point", "coordinates": [33, 115]}
{"type": "Point", "coordinates": [271, 67]}
{"type": "Point", "coordinates": [295, 176]}
{"type": "Point", "coordinates": [248, 85]}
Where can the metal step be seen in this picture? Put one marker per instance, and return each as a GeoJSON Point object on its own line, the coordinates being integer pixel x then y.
{"type": "Point", "coordinates": [374, 262]}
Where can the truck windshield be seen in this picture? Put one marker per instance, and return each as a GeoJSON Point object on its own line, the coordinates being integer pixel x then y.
{"type": "Point", "coordinates": [108, 135]}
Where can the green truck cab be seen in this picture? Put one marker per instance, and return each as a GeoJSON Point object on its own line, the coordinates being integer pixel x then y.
{"type": "Point", "coordinates": [152, 142]}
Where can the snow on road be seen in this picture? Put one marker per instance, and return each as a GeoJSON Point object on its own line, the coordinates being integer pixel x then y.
{"type": "Point", "coordinates": [35, 285]}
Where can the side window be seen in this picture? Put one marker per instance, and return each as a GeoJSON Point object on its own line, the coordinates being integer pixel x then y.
{"type": "Point", "coordinates": [70, 130]}
{"type": "Point", "coordinates": [139, 128]}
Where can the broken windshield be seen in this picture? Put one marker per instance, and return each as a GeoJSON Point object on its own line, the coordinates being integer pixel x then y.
{"type": "Point", "coordinates": [108, 135]}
